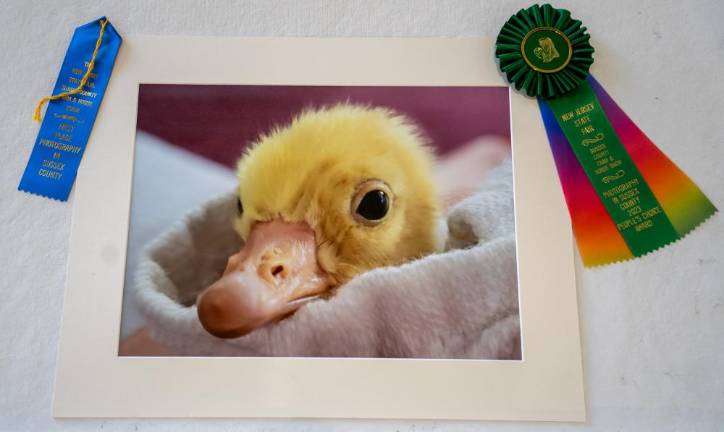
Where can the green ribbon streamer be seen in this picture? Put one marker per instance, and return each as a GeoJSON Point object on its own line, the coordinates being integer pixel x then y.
{"type": "Point", "coordinates": [623, 191]}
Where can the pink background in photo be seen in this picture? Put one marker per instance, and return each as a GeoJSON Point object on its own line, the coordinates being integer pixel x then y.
{"type": "Point", "coordinates": [218, 121]}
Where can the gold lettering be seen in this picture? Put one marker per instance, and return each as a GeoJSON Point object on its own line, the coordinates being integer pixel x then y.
{"type": "Point", "coordinates": [582, 121]}
{"type": "Point", "coordinates": [584, 109]}
{"type": "Point", "coordinates": [50, 174]}
{"type": "Point", "coordinates": [587, 130]}
{"type": "Point", "coordinates": [644, 225]}
{"type": "Point", "coordinates": [54, 165]}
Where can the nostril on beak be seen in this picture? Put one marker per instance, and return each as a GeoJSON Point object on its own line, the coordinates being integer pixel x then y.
{"type": "Point", "coordinates": [277, 270]}
{"type": "Point", "coordinates": [273, 272]}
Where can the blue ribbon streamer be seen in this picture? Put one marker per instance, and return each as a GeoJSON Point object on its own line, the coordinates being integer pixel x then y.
{"type": "Point", "coordinates": [67, 125]}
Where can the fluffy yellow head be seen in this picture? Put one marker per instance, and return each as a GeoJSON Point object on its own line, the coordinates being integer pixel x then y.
{"type": "Point", "coordinates": [317, 169]}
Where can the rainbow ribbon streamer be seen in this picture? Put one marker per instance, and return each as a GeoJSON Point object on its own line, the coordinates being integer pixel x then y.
{"type": "Point", "coordinates": [599, 240]}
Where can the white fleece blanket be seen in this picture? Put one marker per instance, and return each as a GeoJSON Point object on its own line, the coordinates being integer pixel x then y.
{"type": "Point", "coordinates": [461, 303]}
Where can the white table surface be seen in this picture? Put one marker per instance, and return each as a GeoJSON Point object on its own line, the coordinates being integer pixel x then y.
{"type": "Point", "coordinates": [652, 329]}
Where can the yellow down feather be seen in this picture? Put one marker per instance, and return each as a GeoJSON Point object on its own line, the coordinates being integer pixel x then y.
{"type": "Point", "coordinates": [310, 170]}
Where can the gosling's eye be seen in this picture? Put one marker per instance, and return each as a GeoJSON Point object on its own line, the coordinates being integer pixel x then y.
{"type": "Point", "coordinates": [374, 205]}
{"type": "Point", "coordinates": [371, 202]}
{"type": "Point", "coordinates": [239, 207]}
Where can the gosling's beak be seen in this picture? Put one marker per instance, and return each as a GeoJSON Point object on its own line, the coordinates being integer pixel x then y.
{"type": "Point", "coordinates": [274, 274]}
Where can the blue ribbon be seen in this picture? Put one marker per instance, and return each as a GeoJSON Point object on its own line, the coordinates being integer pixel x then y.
{"type": "Point", "coordinates": [67, 125]}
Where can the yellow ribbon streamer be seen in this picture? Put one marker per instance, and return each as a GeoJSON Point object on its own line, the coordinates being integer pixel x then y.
{"type": "Point", "coordinates": [83, 81]}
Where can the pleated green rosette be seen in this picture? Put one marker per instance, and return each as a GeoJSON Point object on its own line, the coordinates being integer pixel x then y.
{"type": "Point", "coordinates": [625, 197]}
{"type": "Point", "coordinates": [543, 51]}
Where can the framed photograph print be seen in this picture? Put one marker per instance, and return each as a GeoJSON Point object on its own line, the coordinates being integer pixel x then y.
{"type": "Point", "coordinates": [350, 228]}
